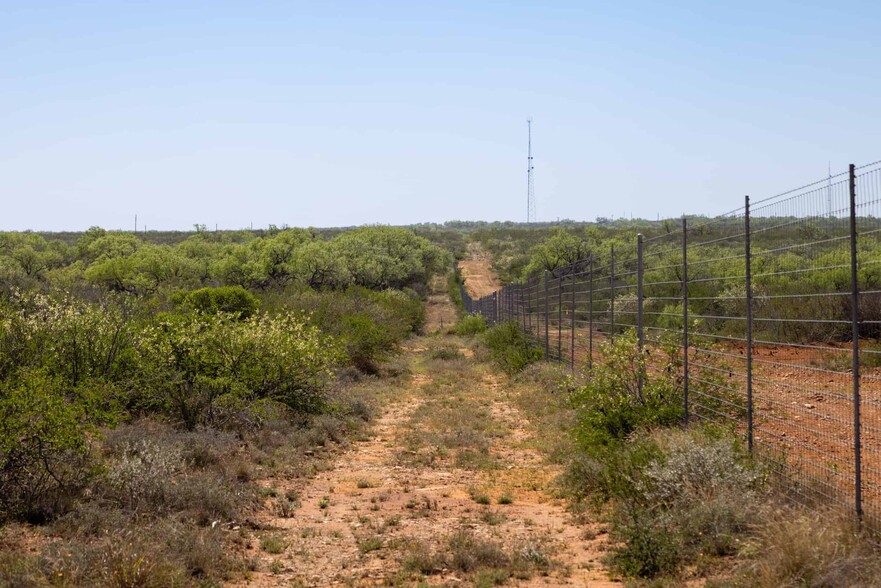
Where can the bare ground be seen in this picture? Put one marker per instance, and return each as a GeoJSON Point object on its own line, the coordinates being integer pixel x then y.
{"type": "Point", "coordinates": [446, 491]}
{"type": "Point", "coordinates": [477, 272]}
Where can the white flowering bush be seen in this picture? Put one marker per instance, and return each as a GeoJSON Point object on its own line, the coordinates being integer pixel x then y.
{"type": "Point", "coordinates": [70, 338]}
{"type": "Point", "coordinates": [689, 494]}
{"type": "Point", "coordinates": [60, 359]}
{"type": "Point", "coordinates": [694, 466]}
{"type": "Point", "coordinates": [189, 366]}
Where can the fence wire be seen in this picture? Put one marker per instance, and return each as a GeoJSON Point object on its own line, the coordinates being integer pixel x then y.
{"type": "Point", "coordinates": [768, 315]}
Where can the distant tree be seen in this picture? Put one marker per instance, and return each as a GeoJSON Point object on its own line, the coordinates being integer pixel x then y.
{"type": "Point", "coordinates": [389, 257]}
{"type": "Point", "coordinates": [30, 255]}
{"type": "Point", "coordinates": [560, 249]}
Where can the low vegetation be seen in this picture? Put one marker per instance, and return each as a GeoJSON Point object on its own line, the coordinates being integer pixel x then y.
{"type": "Point", "coordinates": [147, 390]}
{"type": "Point", "coordinates": [487, 561]}
{"type": "Point", "coordinates": [680, 504]}
{"type": "Point", "coordinates": [509, 347]}
{"type": "Point", "coordinates": [453, 426]}
{"type": "Point", "coordinates": [472, 324]}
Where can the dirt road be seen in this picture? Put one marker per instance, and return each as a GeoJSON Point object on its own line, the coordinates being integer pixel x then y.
{"type": "Point", "coordinates": [440, 315]}
{"type": "Point", "coordinates": [477, 272]}
{"type": "Point", "coordinates": [445, 490]}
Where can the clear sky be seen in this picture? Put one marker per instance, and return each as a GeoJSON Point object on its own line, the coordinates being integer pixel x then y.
{"type": "Point", "coordinates": [329, 113]}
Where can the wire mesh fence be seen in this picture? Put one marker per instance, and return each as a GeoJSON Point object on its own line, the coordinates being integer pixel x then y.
{"type": "Point", "coordinates": [773, 311]}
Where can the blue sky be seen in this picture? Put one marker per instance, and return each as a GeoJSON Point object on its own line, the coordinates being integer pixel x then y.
{"type": "Point", "coordinates": [343, 113]}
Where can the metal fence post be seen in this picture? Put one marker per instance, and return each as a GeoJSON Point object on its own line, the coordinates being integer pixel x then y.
{"type": "Point", "coordinates": [612, 295]}
{"type": "Point", "coordinates": [527, 319]}
{"type": "Point", "coordinates": [749, 328]}
{"type": "Point", "coordinates": [590, 312]}
{"type": "Point", "coordinates": [855, 334]}
{"type": "Point", "coordinates": [572, 324]}
{"type": "Point", "coordinates": [533, 315]}
{"type": "Point", "coordinates": [560, 318]}
{"type": "Point", "coordinates": [685, 319]}
{"type": "Point", "coordinates": [503, 304]}
{"type": "Point", "coordinates": [533, 307]}
{"type": "Point", "coordinates": [547, 317]}
{"type": "Point", "coordinates": [640, 337]}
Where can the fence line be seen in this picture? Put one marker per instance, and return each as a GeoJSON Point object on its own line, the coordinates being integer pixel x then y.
{"type": "Point", "coordinates": [774, 310]}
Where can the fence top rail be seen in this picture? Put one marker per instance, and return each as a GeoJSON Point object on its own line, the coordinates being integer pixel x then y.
{"type": "Point", "coordinates": [726, 217]}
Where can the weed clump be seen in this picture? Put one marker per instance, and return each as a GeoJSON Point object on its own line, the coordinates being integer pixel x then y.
{"type": "Point", "coordinates": [692, 494]}
{"type": "Point", "coordinates": [468, 553]}
{"type": "Point", "coordinates": [472, 324]}
{"type": "Point", "coordinates": [510, 347]}
{"type": "Point", "coordinates": [445, 354]}
{"type": "Point", "coordinates": [823, 548]}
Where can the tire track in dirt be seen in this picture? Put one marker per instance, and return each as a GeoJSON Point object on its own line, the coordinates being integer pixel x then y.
{"type": "Point", "coordinates": [440, 315]}
{"type": "Point", "coordinates": [450, 443]}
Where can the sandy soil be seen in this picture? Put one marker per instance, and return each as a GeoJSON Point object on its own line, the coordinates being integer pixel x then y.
{"type": "Point", "coordinates": [477, 272]}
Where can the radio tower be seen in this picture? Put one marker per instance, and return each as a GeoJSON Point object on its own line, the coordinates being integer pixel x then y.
{"type": "Point", "coordinates": [530, 180]}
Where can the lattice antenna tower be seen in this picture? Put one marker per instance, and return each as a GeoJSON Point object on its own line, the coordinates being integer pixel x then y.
{"type": "Point", "coordinates": [530, 179]}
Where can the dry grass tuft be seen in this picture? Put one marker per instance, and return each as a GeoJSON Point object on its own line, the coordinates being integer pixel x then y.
{"type": "Point", "coordinates": [799, 548]}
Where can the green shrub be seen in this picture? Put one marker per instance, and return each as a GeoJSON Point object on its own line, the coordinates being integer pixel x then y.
{"type": "Point", "coordinates": [611, 472]}
{"type": "Point", "coordinates": [388, 257]}
{"type": "Point", "coordinates": [647, 546]}
{"type": "Point", "coordinates": [472, 324]}
{"type": "Point", "coordinates": [44, 449]}
{"type": "Point", "coordinates": [366, 342]}
{"type": "Point", "coordinates": [369, 324]}
{"type": "Point", "coordinates": [228, 299]}
{"type": "Point", "coordinates": [613, 405]}
{"type": "Point", "coordinates": [510, 347]}
{"type": "Point", "coordinates": [675, 496]}
{"type": "Point", "coordinates": [199, 368]}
